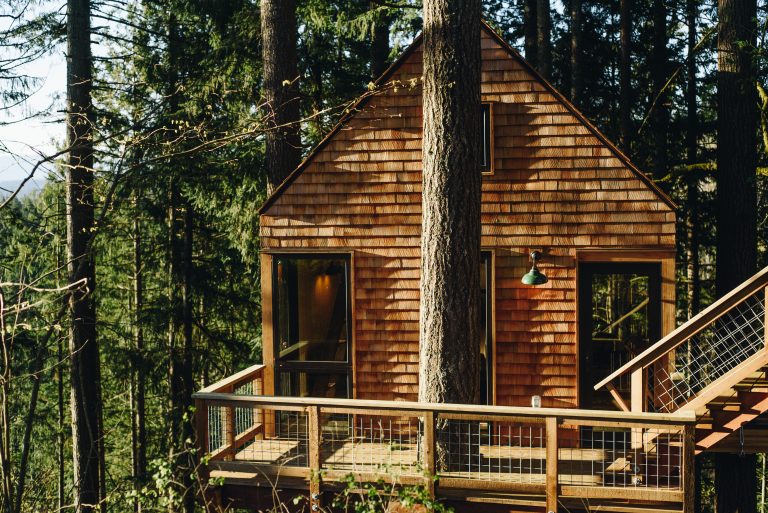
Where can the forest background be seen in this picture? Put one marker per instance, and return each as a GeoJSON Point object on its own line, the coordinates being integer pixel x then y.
{"type": "Point", "coordinates": [180, 125]}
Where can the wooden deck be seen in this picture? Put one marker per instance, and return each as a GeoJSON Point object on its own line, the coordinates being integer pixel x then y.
{"type": "Point", "coordinates": [624, 461]}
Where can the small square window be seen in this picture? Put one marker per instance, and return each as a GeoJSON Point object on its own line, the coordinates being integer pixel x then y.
{"type": "Point", "coordinates": [487, 139]}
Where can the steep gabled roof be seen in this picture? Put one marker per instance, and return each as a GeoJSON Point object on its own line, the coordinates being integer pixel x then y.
{"type": "Point", "coordinates": [513, 54]}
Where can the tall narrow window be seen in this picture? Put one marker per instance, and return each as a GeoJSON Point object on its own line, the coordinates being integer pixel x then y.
{"type": "Point", "coordinates": [312, 330]}
{"type": "Point", "coordinates": [487, 162]}
{"type": "Point", "coordinates": [486, 339]}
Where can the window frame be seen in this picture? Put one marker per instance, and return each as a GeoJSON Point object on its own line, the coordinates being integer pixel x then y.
{"type": "Point", "coordinates": [488, 257]}
{"type": "Point", "coordinates": [487, 169]}
{"type": "Point", "coordinates": [585, 345]}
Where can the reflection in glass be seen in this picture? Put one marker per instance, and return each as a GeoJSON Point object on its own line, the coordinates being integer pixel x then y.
{"type": "Point", "coordinates": [311, 299]}
{"type": "Point", "coordinates": [486, 375]}
{"type": "Point", "coordinates": [309, 384]}
{"type": "Point", "coordinates": [620, 323]}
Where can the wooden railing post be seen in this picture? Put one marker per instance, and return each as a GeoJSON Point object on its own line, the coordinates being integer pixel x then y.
{"type": "Point", "coordinates": [637, 402]}
{"type": "Point", "coordinates": [201, 427]}
{"type": "Point", "coordinates": [552, 464]}
{"type": "Point", "coordinates": [428, 451]}
{"type": "Point", "coordinates": [688, 463]}
{"type": "Point", "coordinates": [257, 413]}
{"type": "Point", "coordinates": [313, 418]}
{"type": "Point", "coordinates": [229, 431]}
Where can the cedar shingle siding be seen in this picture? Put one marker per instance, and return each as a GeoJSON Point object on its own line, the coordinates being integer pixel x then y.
{"type": "Point", "coordinates": [556, 185]}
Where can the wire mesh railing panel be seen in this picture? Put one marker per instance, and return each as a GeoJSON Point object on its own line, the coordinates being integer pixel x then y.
{"type": "Point", "coordinates": [492, 451]}
{"type": "Point", "coordinates": [247, 418]}
{"type": "Point", "coordinates": [281, 440]}
{"type": "Point", "coordinates": [371, 443]}
{"type": "Point", "coordinates": [621, 457]}
{"type": "Point", "coordinates": [707, 356]}
{"type": "Point", "coordinates": [216, 434]}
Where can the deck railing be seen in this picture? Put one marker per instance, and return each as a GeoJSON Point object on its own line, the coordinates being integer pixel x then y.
{"type": "Point", "coordinates": [688, 367]}
{"type": "Point", "coordinates": [553, 453]}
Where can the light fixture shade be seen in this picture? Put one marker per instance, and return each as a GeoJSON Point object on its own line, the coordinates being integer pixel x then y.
{"type": "Point", "coordinates": [534, 276]}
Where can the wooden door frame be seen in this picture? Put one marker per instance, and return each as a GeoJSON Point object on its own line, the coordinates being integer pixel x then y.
{"type": "Point", "coordinates": [665, 257]}
{"type": "Point", "coordinates": [491, 322]}
{"type": "Point", "coordinates": [267, 308]}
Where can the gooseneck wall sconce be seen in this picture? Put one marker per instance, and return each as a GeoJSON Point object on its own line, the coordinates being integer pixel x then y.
{"type": "Point", "coordinates": [534, 276]}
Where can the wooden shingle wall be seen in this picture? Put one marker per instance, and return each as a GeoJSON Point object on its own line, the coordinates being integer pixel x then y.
{"type": "Point", "coordinates": [555, 187]}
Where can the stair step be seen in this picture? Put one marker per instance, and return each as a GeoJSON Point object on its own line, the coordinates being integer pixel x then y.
{"type": "Point", "coordinates": [731, 420]}
{"type": "Point", "coordinates": [754, 400]}
{"type": "Point", "coordinates": [706, 438]}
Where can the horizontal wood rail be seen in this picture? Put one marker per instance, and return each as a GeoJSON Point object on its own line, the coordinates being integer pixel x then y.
{"type": "Point", "coordinates": [228, 384]}
{"type": "Point", "coordinates": [447, 410]}
{"type": "Point", "coordinates": [694, 325]}
{"type": "Point", "coordinates": [549, 452]}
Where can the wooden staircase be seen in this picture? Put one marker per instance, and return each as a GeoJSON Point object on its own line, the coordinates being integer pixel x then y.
{"type": "Point", "coordinates": [715, 365]}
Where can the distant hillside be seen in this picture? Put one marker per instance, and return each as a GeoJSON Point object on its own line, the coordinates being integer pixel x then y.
{"type": "Point", "coordinates": [13, 171]}
{"type": "Point", "coordinates": [8, 186]}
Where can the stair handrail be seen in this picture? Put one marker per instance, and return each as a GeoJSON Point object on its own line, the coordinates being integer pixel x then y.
{"type": "Point", "coordinates": [693, 326]}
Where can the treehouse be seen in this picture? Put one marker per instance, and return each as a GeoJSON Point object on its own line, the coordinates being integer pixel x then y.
{"type": "Point", "coordinates": [590, 396]}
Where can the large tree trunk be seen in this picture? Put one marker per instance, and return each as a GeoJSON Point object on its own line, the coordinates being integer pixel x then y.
{"type": "Point", "coordinates": [186, 368]}
{"type": "Point", "coordinates": [449, 313]}
{"type": "Point", "coordinates": [60, 424]}
{"type": "Point", "coordinates": [735, 476]}
{"type": "Point", "coordinates": [625, 75]}
{"type": "Point", "coordinates": [380, 44]}
{"type": "Point", "coordinates": [138, 379]}
{"type": "Point", "coordinates": [576, 73]}
{"type": "Point", "coordinates": [543, 27]}
{"type": "Point", "coordinates": [693, 273]}
{"type": "Point", "coordinates": [278, 32]}
{"type": "Point", "coordinates": [659, 71]}
{"type": "Point", "coordinates": [692, 193]}
{"type": "Point", "coordinates": [530, 32]}
{"type": "Point", "coordinates": [84, 350]}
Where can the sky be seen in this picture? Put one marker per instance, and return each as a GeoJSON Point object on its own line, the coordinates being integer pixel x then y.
{"type": "Point", "coordinates": [23, 136]}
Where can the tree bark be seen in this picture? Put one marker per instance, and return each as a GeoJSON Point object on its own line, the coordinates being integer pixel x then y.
{"type": "Point", "coordinates": [576, 73]}
{"type": "Point", "coordinates": [278, 32]}
{"type": "Point", "coordinates": [84, 351]}
{"type": "Point", "coordinates": [625, 75]}
{"type": "Point", "coordinates": [6, 498]}
{"type": "Point", "coordinates": [735, 476]}
{"type": "Point", "coordinates": [173, 265]}
{"type": "Point", "coordinates": [380, 44]}
{"type": "Point", "coordinates": [692, 183]}
{"type": "Point", "coordinates": [543, 28]}
{"type": "Point", "coordinates": [60, 424]}
{"type": "Point", "coordinates": [530, 31]}
{"type": "Point", "coordinates": [449, 313]}
{"type": "Point", "coordinates": [138, 381]}
{"type": "Point", "coordinates": [186, 369]}
{"type": "Point", "coordinates": [659, 70]}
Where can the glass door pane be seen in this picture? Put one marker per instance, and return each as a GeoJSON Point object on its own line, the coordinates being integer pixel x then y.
{"type": "Point", "coordinates": [486, 334]}
{"type": "Point", "coordinates": [312, 326]}
{"type": "Point", "coordinates": [620, 312]}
